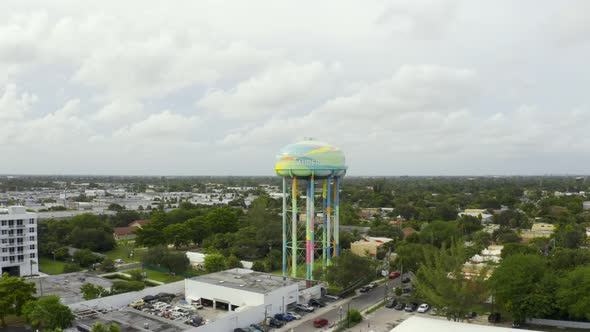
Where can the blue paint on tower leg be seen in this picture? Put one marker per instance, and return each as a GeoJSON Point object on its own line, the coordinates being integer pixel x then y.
{"type": "Point", "coordinates": [337, 215]}
{"type": "Point", "coordinates": [284, 228]}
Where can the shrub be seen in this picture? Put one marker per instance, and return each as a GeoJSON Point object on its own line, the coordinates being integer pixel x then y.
{"type": "Point", "coordinates": [354, 316]}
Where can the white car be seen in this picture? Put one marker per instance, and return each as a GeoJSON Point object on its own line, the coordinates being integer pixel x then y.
{"type": "Point", "coordinates": [294, 314]}
{"type": "Point", "coordinates": [424, 307]}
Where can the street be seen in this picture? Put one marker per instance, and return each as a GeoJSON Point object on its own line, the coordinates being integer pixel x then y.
{"type": "Point", "coordinates": [332, 310]}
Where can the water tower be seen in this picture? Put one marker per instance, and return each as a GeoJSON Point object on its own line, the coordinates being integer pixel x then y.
{"type": "Point", "coordinates": [305, 240]}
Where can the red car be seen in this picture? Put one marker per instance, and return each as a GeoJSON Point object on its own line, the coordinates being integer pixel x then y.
{"type": "Point", "coordinates": [320, 322]}
{"type": "Point", "coordinates": [394, 275]}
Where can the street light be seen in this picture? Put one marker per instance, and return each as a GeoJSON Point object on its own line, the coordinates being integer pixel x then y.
{"type": "Point", "coordinates": [340, 312]}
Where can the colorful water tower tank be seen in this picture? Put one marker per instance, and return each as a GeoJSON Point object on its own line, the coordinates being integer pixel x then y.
{"type": "Point", "coordinates": [311, 161]}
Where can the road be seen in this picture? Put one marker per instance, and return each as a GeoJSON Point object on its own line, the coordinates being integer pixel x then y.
{"type": "Point", "coordinates": [332, 310]}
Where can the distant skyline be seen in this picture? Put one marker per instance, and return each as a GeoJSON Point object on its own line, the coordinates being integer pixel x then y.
{"type": "Point", "coordinates": [411, 87]}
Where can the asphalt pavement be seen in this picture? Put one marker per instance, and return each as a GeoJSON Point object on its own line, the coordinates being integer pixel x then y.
{"type": "Point", "coordinates": [332, 311]}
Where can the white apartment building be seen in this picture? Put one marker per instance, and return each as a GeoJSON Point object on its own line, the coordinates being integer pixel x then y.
{"type": "Point", "coordinates": [18, 241]}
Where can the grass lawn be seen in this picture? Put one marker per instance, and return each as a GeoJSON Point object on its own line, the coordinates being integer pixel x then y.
{"type": "Point", "coordinates": [49, 266]}
{"type": "Point", "coordinates": [122, 252]}
{"type": "Point", "coordinates": [162, 276]}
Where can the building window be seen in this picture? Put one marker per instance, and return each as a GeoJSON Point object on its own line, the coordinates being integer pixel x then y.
{"type": "Point", "coordinates": [19, 222]}
{"type": "Point", "coordinates": [4, 232]}
{"type": "Point", "coordinates": [4, 259]}
{"type": "Point", "coordinates": [32, 247]}
{"type": "Point", "coordinates": [32, 229]}
{"type": "Point", "coordinates": [32, 255]}
{"type": "Point", "coordinates": [4, 249]}
{"type": "Point", "coordinates": [4, 240]}
{"type": "Point", "coordinates": [10, 222]}
{"type": "Point", "coordinates": [31, 221]}
{"type": "Point", "coordinates": [3, 222]}
{"type": "Point", "coordinates": [31, 238]}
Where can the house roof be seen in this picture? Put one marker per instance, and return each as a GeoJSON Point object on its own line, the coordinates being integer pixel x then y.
{"type": "Point", "coordinates": [140, 222]}
{"type": "Point", "coordinates": [121, 231]}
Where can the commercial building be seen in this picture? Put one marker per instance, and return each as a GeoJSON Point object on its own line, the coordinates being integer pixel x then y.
{"type": "Point", "coordinates": [539, 229]}
{"type": "Point", "coordinates": [368, 246]}
{"type": "Point", "coordinates": [416, 323]}
{"type": "Point", "coordinates": [225, 300]}
{"type": "Point", "coordinates": [18, 241]}
{"type": "Point", "coordinates": [478, 213]}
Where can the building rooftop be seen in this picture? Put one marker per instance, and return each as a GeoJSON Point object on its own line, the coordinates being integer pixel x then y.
{"type": "Point", "coordinates": [257, 282]}
{"type": "Point", "coordinates": [68, 285]}
{"type": "Point", "coordinates": [130, 320]}
{"type": "Point", "coordinates": [428, 324]}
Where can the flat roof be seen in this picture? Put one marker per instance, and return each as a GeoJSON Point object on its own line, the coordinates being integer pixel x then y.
{"type": "Point", "coordinates": [131, 320]}
{"type": "Point", "coordinates": [257, 282]}
{"type": "Point", "coordinates": [416, 323]}
{"type": "Point", "coordinates": [68, 285]}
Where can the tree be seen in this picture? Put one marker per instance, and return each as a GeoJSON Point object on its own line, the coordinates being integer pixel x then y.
{"type": "Point", "coordinates": [258, 266]}
{"type": "Point", "coordinates": [174, 261]}
{"type": "Point", "coordinates": [136, 275]}
{"type": "Point", "coordinates": [92, 291]}
{"type": "Point", "coordinates": [108, 265]}
{"type": "Point", "coordinates": [214, 263]}
{"type": "Point", "coordinates": [353, 316]}
{"type": "Point", "coordinates": [440, 280]}
{"type": "Point", "coordinates": [574, 293]}
{"type": "Point", "coordinates": [14, 293]}
{"type": "Point", "coordinates": [177, 234]}
{"type": "Point", "coordinates": [411, 255]}
{"type": "Point", "coordinates": [567, 259]}
{"type": "Point", "coordinates": [233, 262]}
{"type": "Point", "coordinates": [115, 207]}
{"type": "Point", "coordinates": [505, 235]}
{"type": "Point", "coordinates": [85, 257]}
{"type": "Point", "coordinates": [514, 283]}
{"type": "Point", "coordinates": [48, 313]}
{"type": "Point", "coordinates": [99, 327]}
{"type": "Point", "coordinates": [438, 232]}
{"type": "Point", "coordinates": [222, 220]}
{"type": "Point", "coordinates": [349, 268]}
{"type": "Point", "coordinates": [518, 248]}
{"type": "Point", "coordinates": [68, 268]}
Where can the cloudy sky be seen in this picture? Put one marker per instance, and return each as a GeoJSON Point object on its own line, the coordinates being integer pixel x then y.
{"type": "Point", "coordinates": [218, 87]}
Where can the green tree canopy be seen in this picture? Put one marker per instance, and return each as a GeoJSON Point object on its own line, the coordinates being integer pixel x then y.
{"type": "Point", "coordinates": [514, 284]}
{"type": "Point", "coordinates": [440, 281]}
{"type": "Point", "coordinates": [349, 268]}
{"type": "Point", "coordinates": [215, 263]}
{"type": "Point", "coordinates": [14, 293]}
{"type": "Point", "coordinates": [48, 313]}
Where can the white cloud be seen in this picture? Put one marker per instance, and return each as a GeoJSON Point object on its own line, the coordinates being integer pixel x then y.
{"type": "Point", "coordinates": [279, 89]}
{"type": "Point", "coordinates": [165, 126]}
{"type": "Point", "coordinates": [405, 87]}
{"type": "Point", "coordinates": [15, 106]}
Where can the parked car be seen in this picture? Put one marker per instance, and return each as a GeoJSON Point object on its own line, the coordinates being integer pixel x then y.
{"type": "Point", "coordinates": [400, 306]}
{"type": "Point", "coordinates": [406, 280]}
{"type": "Point", "coordinates": [372, 285]}
{"type": "Point", "coordinates": [256, 327]}
{"type": "Point", "coordinates": [118, 261]}
{"type": "Point", "coordinates": [391, 303]}
{"type": "Point", "coordinates": [407, 290]}
{"type": "Point", "coordinates": [316, 303]}
{"type": "Point", "coordinates": [304, 307]}
{"type": "Point", "coordinates": [411, 307]}
{"type": "Point", "coordinates": [471, 315]}
{"type": "Point", "coordinates": [239, 330]}
{"type": "Point", "coordinates": [394, 275]}
{"type": "Point", "coordinates": [494, 317]}
{"type": "Point", "coordinates": [364, 289]}
{"type": "Point", "coordinates": [424, 307]}
{"type": "Point", "coordinates": [272, 322]}
{"type": "Point", "coordinates": [320, 322]}
{"type": "Point", "coordinates": [294, 315]}
{"type": "Point", "coordinates": [284, 317]}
